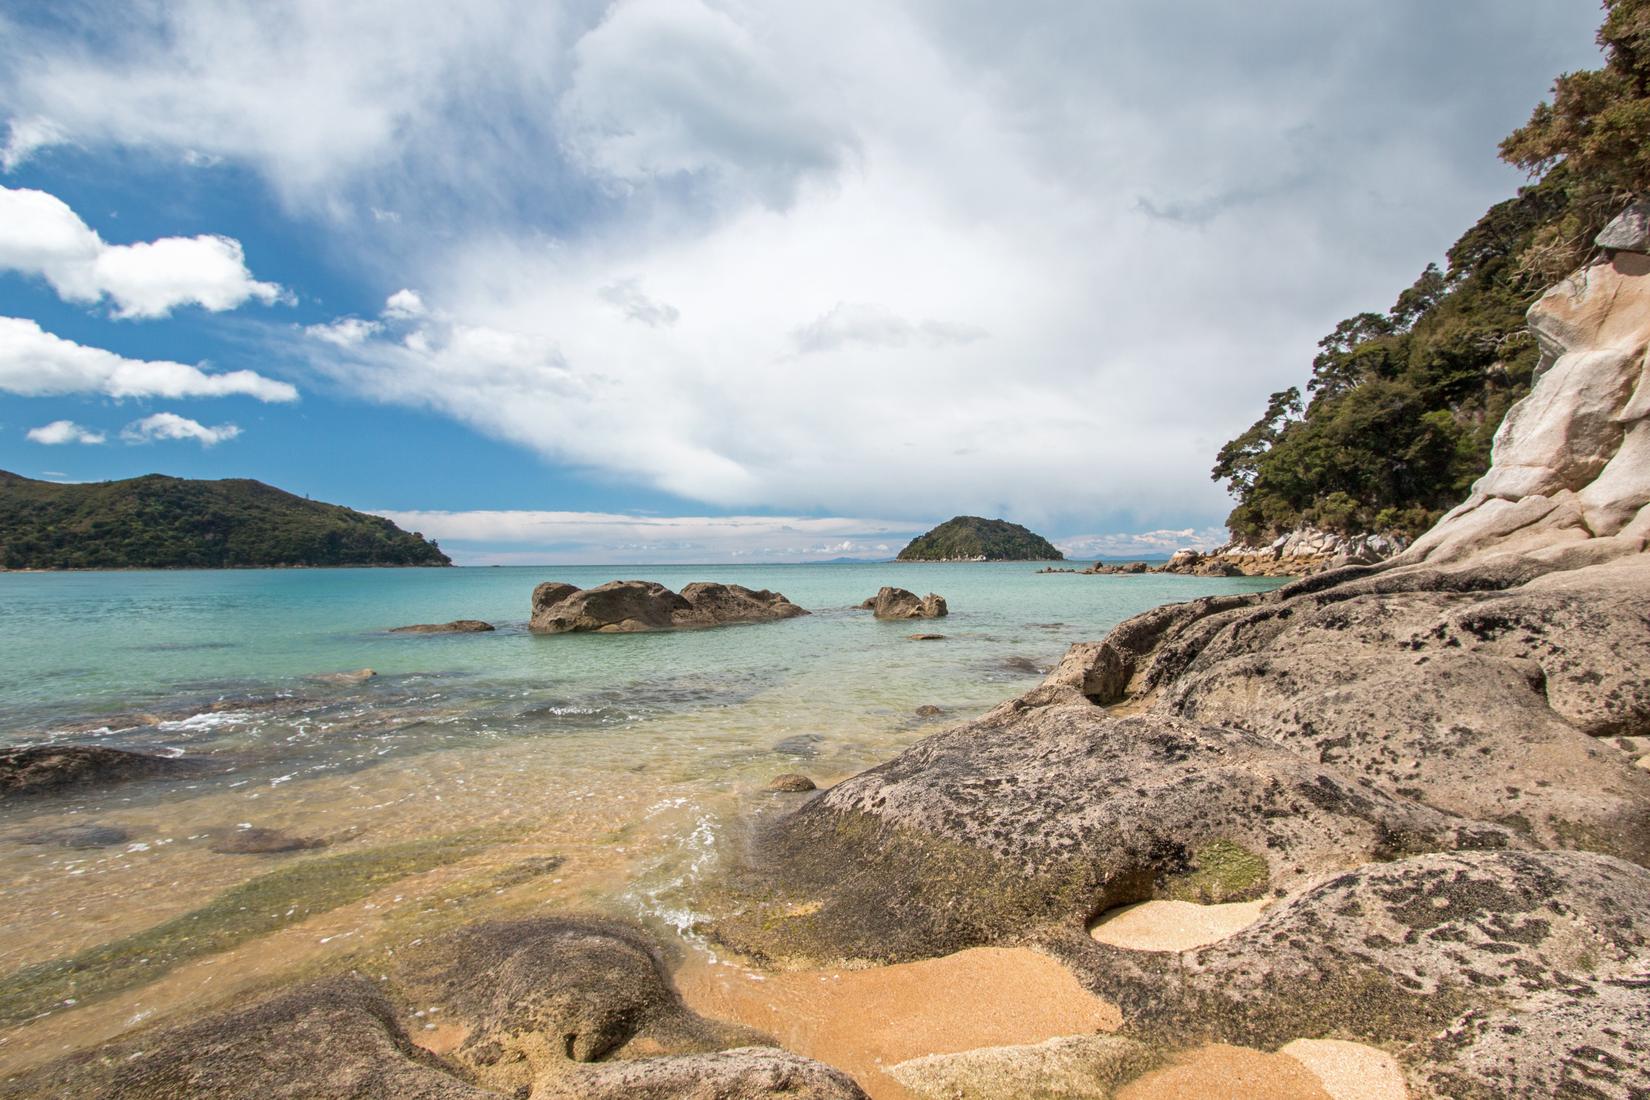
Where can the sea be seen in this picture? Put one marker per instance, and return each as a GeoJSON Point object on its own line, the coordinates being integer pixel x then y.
{"type": "Point", "coordinates": [469, 775]}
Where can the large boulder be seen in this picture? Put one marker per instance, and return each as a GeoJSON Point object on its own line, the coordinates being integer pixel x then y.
{"type": "Point", "coordinates": [897, 603]}
{"type": "Point", "coordinates": [634, 606]}
{"type": "Point", "coordinates": [43, 769]}
{"type": "Point", "coordinates": [1048, 811]}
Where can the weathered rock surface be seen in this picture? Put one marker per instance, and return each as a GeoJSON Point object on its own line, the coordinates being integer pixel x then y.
{"type": "Point", "coordinates": [1629, 231]}
{"type": "Point", "coordinates": [1048, 812]}
{"type": "Point", "coordinates": [1394, 950]}
{"type": "Point", "coordinates": [897, 603]}
{"type": "Point", "coordinates": [752, 1073]}
{"type": "Point", "coordinates": [43, 769]}
{"type": "Point", "coordinates": [457, 626]}
{"type": "Point", "coordinates": [541, 1000]}
{"type": "Point", "coordinates": [1072, 1067]}
{"type": "Point", "coordinates": [635, 606]}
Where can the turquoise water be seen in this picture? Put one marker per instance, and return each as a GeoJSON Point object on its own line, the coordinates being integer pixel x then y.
{"type": "Point", "coordinates": [628, 757]}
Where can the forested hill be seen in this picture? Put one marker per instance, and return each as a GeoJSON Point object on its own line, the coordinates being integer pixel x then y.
{"type": "Point", "coordinates": [1401, 406]}
{"type": "Point", "coordinates": [970, 538]}
{"type": "Point", "coordinates": [159, 522]}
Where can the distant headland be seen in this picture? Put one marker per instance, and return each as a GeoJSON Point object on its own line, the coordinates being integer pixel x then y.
{"type": "Point", "coordinates": [160, 522]}
{"type": "Point", "coordinates": [970, 538]}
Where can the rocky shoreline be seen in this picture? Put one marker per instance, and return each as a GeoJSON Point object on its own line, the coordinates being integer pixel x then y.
{"type": "Point", "coordinates": [1427, 777]}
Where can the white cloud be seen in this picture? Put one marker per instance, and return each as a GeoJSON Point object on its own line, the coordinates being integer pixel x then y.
{"type": "Point", "coordinates": [1153, 227]}
{"type": "Point", "coordinates": [404, 305]}
{"type": "Point", "coordinates": [1141, 543]}
{"type": "Point", "coordinates": [346, 332]}
{"type": "Point", "coordinates": [485, 537]}
{"type": "Point", "coordinates": [165, 425]}
{"type": "Point", "coordinates": [41, 236]}
{"type": "Point", "coordinates": [627, 297]}
{"type": "Point", "coordinates": [24, 136]}
{"type": "Point", "coordinates": [59, 432]}
{"type": "Point", "coordinates": [848, 324]}
{"type": "Point", "coordinates": [36, 363]}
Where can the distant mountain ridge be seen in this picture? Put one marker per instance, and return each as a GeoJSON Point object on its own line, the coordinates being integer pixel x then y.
{"type": "Point", "coordinates": [972, 538]}
{"type": "Point", "coordinates": [160, 522]}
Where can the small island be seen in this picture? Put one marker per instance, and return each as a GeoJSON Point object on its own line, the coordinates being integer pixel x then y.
{"type": "Point", "coordinates": [970, 538]}
{"type": "Point", "coordinates": [160, 522]}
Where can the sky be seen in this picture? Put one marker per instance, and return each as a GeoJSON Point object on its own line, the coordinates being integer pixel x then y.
{"type": "Point", "coordinates": [718, 280]}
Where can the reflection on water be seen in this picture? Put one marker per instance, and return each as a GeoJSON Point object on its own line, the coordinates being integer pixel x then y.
{"type": "Point", "coordinates": [472, 774]}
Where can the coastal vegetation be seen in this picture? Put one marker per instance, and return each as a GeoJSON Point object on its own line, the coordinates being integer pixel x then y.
{"type": "Point", "coordinates": [159, 522]}
{"type": "Point", "coordinates": [1401, 407]}
{"type": "Point", "coordinates": [970, 538]}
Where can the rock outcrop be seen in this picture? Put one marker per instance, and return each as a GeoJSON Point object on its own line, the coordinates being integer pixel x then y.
{"type": "Point", "coordinates": [457, 626]}
{"type": "Point", "coordinates": [540, 1002]}
{"type": "Point", "coordinates": [621, 607]}
{"type": "Point", "coordinates": [1427, 760]}
{"type": "Point", "coordinates": [42, 769]}
{"type": "Point", "coordinates": [897, 603]}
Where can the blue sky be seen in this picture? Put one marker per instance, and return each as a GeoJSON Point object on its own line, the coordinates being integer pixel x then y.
{"type": "Point", "coordinates": [700, 280]}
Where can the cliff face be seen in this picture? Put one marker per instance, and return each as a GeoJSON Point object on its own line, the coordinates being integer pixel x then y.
{"type": "Point", "coordinates": [1569, 483]}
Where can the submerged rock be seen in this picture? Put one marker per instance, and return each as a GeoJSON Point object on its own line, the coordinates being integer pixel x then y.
{"type": "Point", "coordinates": [635, 606]}
{"type": "Point", "coordinates": [791, 783]}
{"type": "Point", "coordinates": [541, 1003]}
{"type": "Point", "coordinates": [925, 637]}
{"type": "Point", "coordinates": [257, 841]}
{"type": "Point", "coordinates": [43, 769]}
{"type": "Point", "coordinates": [79, 836]}
{"type": "Point", "coordinates": [457, 626]}
{"type": "Point", "coordinates": [897, 603]}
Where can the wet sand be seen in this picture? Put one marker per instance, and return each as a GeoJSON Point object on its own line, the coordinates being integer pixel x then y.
{"type": "Point", "coordinates": [1350, 1071]}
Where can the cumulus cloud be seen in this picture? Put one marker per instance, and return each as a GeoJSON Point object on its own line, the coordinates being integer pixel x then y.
{"type": "Point", "coordinates": [41, 236]}
{"type": "Point", "coordinates": [404, 305]}
{"type": "Point", "coordinates": [839, 203]}
{"type": "Point", "coordinates": [59, 432]}
{"type": "Point", "coordinates": [346, 332]}
{"type": "Point", "coordinates": [36, 363]}
{"type": "Point", "coordinates": [485, 537]}
{"type": "Point", "coordinates": [165, 425]}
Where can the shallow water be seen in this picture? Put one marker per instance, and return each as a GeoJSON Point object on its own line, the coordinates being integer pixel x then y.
{"type": "Point", "coordinates": [442, 785]}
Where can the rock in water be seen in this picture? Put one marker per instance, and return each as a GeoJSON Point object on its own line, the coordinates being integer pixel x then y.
{"type": "Point", "coordinates": [540, 1002]}
{"type": "Point", "coordinates": [80, 836]}
{"type": "Point", "coordinates": [457, 626]}
{"type": "Point", "coordinates": [54, 768]}
{"type": "Point", "coordinates": [897, 603]}
{"type": "Point", "coordinates": [635, 606]}
{"type": "Point", "coordinates": [791, 783]}
{"type": "Point", "coordinates": [256, 841]}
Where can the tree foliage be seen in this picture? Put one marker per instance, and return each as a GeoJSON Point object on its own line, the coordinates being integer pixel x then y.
{"type": "Point", "coordinates": [158, 522]}
{"type": "Point", "coordinates": [970, 538]}
{"type": "Point", "coordinates": [1403, 404]}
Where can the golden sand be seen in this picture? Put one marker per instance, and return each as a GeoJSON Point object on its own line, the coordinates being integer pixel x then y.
{"type": "Point", "coordinates": [1350, 1071]}
{"type": "Point", "coordinates": [862, 1021]}
{"type": "Point", "coordinates": [1220, 1072]}
{"type": "Point", "coordinates": [1174, 925]}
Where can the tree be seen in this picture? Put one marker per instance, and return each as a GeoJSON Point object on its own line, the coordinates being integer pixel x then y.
{"type": "Point", "coordinates": [1597, 129]}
